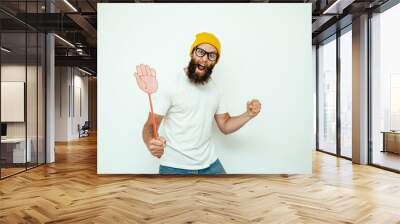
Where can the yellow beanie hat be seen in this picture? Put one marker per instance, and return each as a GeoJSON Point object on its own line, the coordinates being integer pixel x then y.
{"type": "Point", "coordinates": [206, 38]}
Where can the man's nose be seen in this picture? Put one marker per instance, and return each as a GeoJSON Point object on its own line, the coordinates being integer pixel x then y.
{"type": "Point", "coordinates": [204, 58]}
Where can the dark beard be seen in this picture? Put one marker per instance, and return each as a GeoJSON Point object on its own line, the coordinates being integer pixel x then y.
{"type": "Point", "coordinates": [196, 79]}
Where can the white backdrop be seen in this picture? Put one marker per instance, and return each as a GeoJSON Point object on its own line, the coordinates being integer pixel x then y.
{"type": "Point", "coordinates": [266, 54]}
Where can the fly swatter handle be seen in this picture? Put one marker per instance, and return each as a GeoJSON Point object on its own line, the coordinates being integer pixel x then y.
{"type": "Point", "coordinates": [153, 118]}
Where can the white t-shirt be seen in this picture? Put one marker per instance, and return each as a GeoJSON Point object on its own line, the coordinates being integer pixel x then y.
{"type": "Point", "coordinates": [188, 111]}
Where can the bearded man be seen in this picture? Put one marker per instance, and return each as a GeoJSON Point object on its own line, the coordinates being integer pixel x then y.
{"type": "Point", "coordinates": [187, 110]}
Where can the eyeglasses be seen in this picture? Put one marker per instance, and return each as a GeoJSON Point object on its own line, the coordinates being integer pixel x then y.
{"type": "Point", "coordinates": [212, 56]}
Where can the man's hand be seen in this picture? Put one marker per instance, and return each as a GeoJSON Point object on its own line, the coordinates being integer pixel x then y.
{"type": "Point", "coordinates": [156, 146]}
{"type": "Point", "coordinates": [253, 108]}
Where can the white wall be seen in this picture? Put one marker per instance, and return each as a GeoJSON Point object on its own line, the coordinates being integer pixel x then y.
{"type": "Point", "coordinates": [68, 83]}
{"type": "Point", "coordinates": [61, 103]}
{"type": "Point", "coordinates": [79, 117]}
{"type": "Point", "coordinates": [266, 54]}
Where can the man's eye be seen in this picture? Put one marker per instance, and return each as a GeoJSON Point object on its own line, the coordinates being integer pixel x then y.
{"type": "Point", "coordinates": [200, 51]}
{"type": "Point", "coordinates": [213, 56]}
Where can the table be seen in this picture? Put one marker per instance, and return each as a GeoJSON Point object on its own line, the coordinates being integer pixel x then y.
{"type": "Point", "coordinates": [391, 141]}
{"type": "Point", "coordinates": [16, 147]}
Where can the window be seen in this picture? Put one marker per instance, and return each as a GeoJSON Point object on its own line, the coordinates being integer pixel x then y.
{"type": "Point", "coordinates": [385, 88]}
{"type": "Point", "coordinates": [22, 66]}
{"type": "Point", "coordinates": [327, 96]}
{"type": "Point", "coordinates": [346, 94]}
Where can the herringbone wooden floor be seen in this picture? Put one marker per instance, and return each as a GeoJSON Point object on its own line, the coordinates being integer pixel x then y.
{"type": "Point", "coordinates": [70, 191]}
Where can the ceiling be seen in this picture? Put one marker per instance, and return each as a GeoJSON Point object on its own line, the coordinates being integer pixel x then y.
{"type": "Point", "coordinates": [76, 22]}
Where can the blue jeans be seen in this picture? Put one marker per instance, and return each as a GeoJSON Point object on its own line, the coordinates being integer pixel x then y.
{"type": "Point", "coordinates": [215, 168]}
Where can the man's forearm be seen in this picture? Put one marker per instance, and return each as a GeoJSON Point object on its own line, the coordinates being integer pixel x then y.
{"type": "Point", "coordinates": [148, 130]}
{"type": "Point", "coordinates": [147, 133]}
{"type": "Point", "coordinates": [234, 123]}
